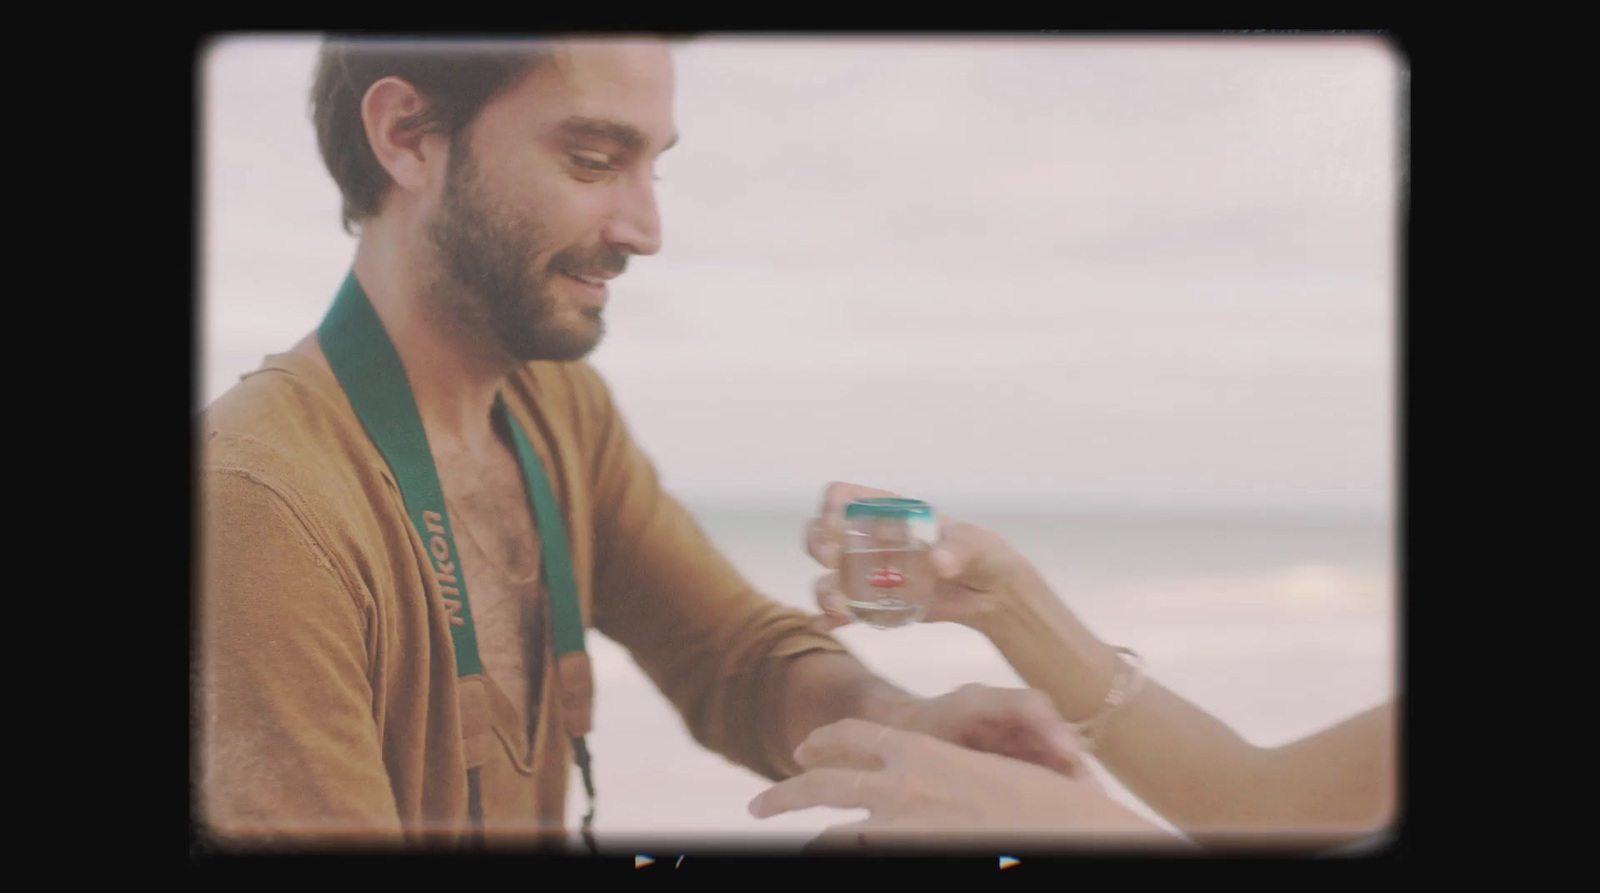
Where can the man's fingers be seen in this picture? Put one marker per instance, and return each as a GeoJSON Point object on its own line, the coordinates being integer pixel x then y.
{"type": "Point", "coordinates": [1038, 715]}
{"type": "Point", "coordinates": [1067, 746]}
{"type": "Point", "coordinates": [1019, 723]}
{"type": "Point", "coordinates": [1054, 744]}
{"type": "Point", "coordinates": [1057, 741]}
{"type": "Point", "coordinates": [1058, 750]}
{"type": "Point", "coordinates": [838, 788]}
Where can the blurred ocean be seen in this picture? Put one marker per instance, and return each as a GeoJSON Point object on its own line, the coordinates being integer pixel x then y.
{"type": "Point", "coordinates": [1277, 625]}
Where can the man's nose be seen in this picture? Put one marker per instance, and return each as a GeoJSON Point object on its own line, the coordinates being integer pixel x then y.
{"type": "Point", "coordinates": [636, 225]}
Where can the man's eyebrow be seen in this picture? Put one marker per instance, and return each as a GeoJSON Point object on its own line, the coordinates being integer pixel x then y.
{"type": "Point", "coordinates": [626, 135]}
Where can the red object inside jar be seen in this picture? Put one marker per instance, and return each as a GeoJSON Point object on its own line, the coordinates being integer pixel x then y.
{"type": "Point", "coordinates": [886, 578]}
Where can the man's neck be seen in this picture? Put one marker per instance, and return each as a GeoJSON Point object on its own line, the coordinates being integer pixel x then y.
{"type": "Point", "coordinates": [453, 378]}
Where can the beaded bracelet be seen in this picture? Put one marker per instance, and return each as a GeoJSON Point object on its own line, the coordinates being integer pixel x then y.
{"type": "Point", "coordinates": [1127, 683]}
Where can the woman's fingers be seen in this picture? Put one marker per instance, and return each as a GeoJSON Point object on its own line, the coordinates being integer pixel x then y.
{"type": "Point", "coordinates": [971, 556]}
{"type": "Point", "coordinates": [824, 534]}
{"type": "Point", "coordinates": [830, 601]}
{"type": "Point", "coordinates": [846, 838]}
{"type": "Point", "coordinates": [839, 759]}
{"type": "Point", "coordinates": [838, 788]}
{"type": "Point", "coordinates": [824, 542]}
{"type": "Point", "coordinates": [851, 742]}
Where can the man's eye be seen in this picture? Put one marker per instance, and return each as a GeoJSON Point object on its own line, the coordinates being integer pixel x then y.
{"type": "Point", "coordinates": [590, 163]}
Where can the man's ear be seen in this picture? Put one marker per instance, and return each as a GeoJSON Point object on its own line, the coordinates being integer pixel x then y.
{"type": "Point", "coordinates": [412, 156]}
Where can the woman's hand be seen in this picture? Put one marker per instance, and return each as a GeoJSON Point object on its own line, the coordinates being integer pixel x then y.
{"type": "Point", "coordinates": [919, 790]}
{"type": "Point", "coordinates": [975, 567]}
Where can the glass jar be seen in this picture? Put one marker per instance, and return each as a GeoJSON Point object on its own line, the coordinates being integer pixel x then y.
{"type": "Point", "coordinates": [884, 570]}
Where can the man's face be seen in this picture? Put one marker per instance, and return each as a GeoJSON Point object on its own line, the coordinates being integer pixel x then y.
{"type": "Point", "coordinates": [548, 193]}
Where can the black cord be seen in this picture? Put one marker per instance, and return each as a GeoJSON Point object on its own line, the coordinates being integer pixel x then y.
{"type": "Point", "coordinates": [580, 754]}
{"type": "Point", "coordinates": [475, 839]}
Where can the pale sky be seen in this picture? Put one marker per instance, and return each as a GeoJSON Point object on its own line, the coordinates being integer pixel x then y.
{"type": "Point", "coordinates": [1060, 272]}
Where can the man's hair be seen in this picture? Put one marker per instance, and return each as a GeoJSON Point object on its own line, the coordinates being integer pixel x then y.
{"type": "Point", "coordinates": [455, 78]}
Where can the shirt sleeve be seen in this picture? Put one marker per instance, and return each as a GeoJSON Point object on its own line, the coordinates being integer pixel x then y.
{"type": "Point", "coordinates": [290, 748]}
{"type": "Point", "coordinates": [715, 647]}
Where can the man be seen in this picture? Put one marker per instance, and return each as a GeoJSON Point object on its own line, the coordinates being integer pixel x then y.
{"type": "Point", "coordinates": [411, 516]}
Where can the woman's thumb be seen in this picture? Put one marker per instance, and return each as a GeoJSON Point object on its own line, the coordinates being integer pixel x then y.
{"type": "Point", "coordinates": [967, 555]}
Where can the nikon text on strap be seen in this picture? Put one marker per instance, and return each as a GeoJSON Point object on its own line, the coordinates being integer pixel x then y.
{"type": "Point", "coordinates": [369, 370]}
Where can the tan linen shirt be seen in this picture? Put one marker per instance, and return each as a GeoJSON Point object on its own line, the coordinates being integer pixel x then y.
{"type": "Point", "coordinates": [329, 703]}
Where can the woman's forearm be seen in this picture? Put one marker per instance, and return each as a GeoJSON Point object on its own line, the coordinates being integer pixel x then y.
{"type": "Point", "coordinates": [1184, 763]}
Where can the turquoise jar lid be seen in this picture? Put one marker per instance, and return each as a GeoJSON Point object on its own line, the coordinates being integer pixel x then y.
{"type": "Point", "coordinates": [888, 509]}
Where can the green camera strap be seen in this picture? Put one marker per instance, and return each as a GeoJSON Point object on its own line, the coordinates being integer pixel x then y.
{"type": "Point", "coordinates": [369, 371]}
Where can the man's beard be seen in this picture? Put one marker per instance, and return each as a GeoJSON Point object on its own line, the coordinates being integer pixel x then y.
{"type": "Point", "coordinates": [489, 289]}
